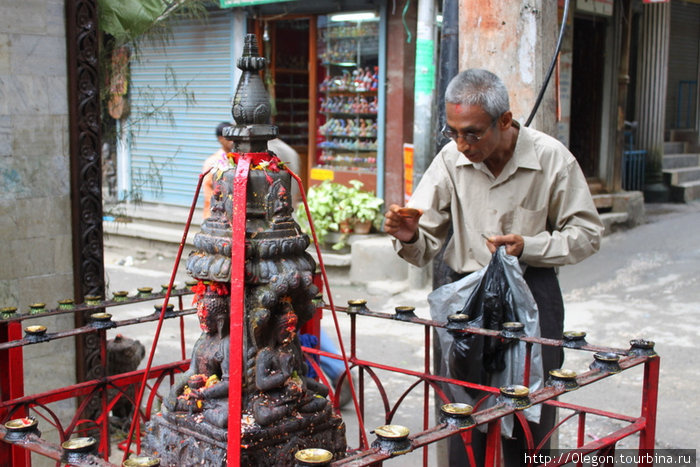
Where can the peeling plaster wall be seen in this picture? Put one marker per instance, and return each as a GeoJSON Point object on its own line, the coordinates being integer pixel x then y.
{"type": "Point", "coordinates": [35, 228]}
{"type": "Point", "coordinates": [515, 40]}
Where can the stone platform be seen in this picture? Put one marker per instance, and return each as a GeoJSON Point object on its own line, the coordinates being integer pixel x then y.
{"type": "Point", "coordinates": [178, 439]}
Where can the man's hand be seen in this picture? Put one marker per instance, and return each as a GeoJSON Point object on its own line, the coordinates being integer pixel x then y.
{"type": "Point", "coordinates": [514, 243]}
{"type": "Point", "coordinates": [402, 223]}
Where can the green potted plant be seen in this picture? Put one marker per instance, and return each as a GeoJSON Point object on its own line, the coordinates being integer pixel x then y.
{"type": "Point", "coordinates": [339, 208]}
{"type": "Point", "coordinates": [363, 207]}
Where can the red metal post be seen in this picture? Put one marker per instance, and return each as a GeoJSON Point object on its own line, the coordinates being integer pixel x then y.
{"type": "Point", "coordinates": [104, 427]}
{"type": "Point", "coordinates": [528, 364]}
{"type": "Point", "coordinates": [12, 387]}
{"type": "Point", "coordinates": [426, 388]}
{"type": "Point", "coordinates": [361, 400]}
{"type": "Point", "coordinates": [581, 438]}
{"type": "Point", "coordinates": [240, 183]}
{"type": "Point", "coordinates": [493, 444]}
{"type": "Point", "coordinates": [353, 336]}
{"type": "Point", "coordinates": [650, 393]}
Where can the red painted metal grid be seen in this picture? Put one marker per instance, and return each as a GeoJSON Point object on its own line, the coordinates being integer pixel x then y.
{"type": "Point", "coordinates": [644, 424]}
{"type": "Point", "coordinates": [13, 401]}
{"type": "Point", "coordinates": [15, 404]}
{"type": "Point", "coordinates": [18, 404]}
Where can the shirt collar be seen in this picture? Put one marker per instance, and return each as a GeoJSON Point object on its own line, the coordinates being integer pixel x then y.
{"type": "Point", "coordinates": [523, 156]}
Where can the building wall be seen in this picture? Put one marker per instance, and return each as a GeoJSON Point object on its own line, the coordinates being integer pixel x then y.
{"type": "Point", "coordinates": [399, 127]}
{"type": "Point", "coordinates": [35, 228]}
{"type": "Point", "coordinates": [515, 40]}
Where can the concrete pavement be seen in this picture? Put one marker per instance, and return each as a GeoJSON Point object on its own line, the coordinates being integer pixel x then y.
{"type": "Point", "coordinates": [643, 283]}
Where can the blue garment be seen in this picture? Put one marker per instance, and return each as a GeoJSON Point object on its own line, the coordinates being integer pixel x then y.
{"type": "Point", "coordinates": [331, 367]}
{"type": "Point", "coordinates": [309, 340]}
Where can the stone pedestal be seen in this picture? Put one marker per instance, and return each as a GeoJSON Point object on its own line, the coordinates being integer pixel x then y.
{"type": "Point", "coordinates": [186, 442]}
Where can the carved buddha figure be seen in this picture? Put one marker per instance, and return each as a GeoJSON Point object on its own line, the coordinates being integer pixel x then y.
{"type": "Point", "coordinates": [280, 376]}
{"type": "Point", "coordinates": [204, 386]}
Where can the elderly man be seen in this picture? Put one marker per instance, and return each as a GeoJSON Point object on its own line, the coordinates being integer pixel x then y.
{"type": "Point", "coordinates": [498, 183]}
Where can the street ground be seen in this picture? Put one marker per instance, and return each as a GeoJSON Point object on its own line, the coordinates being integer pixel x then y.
{"type": "Point", "coordinates": [642, 284]}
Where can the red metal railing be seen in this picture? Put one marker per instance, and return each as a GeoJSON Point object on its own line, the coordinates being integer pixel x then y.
{"type": "Point", "coordinates": [14, 403]}
{"type": "Point", "coordinates": [109, 390]}
{"type": "Point", "coordinates": [644, 424]}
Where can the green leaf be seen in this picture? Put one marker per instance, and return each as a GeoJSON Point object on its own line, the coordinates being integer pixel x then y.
{"type": "Point", "coordinates": [128, 19]}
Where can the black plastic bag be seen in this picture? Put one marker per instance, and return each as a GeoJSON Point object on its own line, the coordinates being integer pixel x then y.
{"type": "Point", "coordinates": [489, 306]}
{"type": "Point", "coordinates": [490, 296]}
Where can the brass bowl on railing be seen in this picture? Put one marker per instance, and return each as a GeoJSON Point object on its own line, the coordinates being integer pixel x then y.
{"type": "Point", "coordinates": [313, 457]}
{"type": "Point", "coordinates": [18, 428]}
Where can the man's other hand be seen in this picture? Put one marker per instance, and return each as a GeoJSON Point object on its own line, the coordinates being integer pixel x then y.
{"type": "Point", "coordinates": [402, 223]}
{"type": "Point", "coordinates": [514, 243]}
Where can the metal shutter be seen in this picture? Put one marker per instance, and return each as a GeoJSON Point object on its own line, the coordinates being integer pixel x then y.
{"type": "Point", "coordinates": [166, 156]}
{"type": "Point", "coordinates": [681, 95]}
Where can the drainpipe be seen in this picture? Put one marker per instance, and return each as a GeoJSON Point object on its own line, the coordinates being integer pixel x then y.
{"type": "Point", "coordinates": [449, 61]}
{"type": "Point", "coordinates": [624, 11]}
{"type": "Point", "coordinates": [423, 112]}
{"type": "Point", "coordinates": [424, 91]}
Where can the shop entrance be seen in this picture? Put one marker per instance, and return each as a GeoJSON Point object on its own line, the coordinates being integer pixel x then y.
{"type": "Point", "coordinates": [587, 92]}
{"type": "Point", "coordinates": [323, 80]}
{"type": "Point", "coordinates": [285, 43]}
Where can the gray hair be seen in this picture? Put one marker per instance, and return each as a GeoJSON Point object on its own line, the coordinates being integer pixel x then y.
{"type": "Point", "coordinates": [479, 87]}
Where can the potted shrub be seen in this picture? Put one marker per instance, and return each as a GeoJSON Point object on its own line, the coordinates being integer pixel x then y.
{"type": "Point", "coordinates": [339, 208]}
{"type": "Point", "coordinates": [363, 207]}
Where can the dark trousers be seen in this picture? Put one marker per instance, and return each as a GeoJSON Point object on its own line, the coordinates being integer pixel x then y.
{"type": "Point", "coordinates": [544, 286]}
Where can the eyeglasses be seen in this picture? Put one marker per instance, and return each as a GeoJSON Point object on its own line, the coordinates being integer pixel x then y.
{"type": "Point", "coordinates": [470, 138]}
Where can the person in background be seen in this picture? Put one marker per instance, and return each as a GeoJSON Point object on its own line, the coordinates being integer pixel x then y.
{"type": "Point", "coordinates": [284, 152]}
{"type": "Point", "coordinates": [216, 160]}
{"type": "Point", "coordinates": [495, 184]}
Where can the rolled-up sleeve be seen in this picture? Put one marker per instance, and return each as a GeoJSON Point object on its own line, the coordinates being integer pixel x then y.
{"type": "Point", "coordinates": [433, 197]}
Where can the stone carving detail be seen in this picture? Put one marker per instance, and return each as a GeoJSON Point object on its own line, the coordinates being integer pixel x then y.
{"type": "Point", "coordinates": [283, 410]}
{"type": "Point", "coordinates": [251, 103]}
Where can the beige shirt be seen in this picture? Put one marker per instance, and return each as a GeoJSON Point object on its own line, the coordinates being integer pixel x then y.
{"type": "Point", "coordinates": [541, 194]}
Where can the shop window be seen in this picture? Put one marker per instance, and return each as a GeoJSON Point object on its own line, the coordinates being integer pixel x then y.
{"type": "Point", "coordinates": [348, 71]}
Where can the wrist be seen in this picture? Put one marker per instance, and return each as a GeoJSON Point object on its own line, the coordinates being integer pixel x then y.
{"type": "Point", "coordinates": [413, 239]}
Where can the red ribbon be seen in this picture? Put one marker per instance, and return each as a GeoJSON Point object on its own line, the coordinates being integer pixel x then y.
{"type": "Point", "coordinates": [240, 183]}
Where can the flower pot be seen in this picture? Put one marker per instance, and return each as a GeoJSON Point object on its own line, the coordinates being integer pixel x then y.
{"type": "Point", "coordinates": [345, 226]}
{"type": "Point", "coordinates": [362, 227]}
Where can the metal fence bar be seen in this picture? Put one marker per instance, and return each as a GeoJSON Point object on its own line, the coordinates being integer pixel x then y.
{"type": "Point", "coordinates": [12, 387]}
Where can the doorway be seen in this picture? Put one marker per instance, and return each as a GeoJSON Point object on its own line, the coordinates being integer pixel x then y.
{"type": "Point", "coordinates": [286, 46]}
{"type": "Point", "coordinates": [587, 92]}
